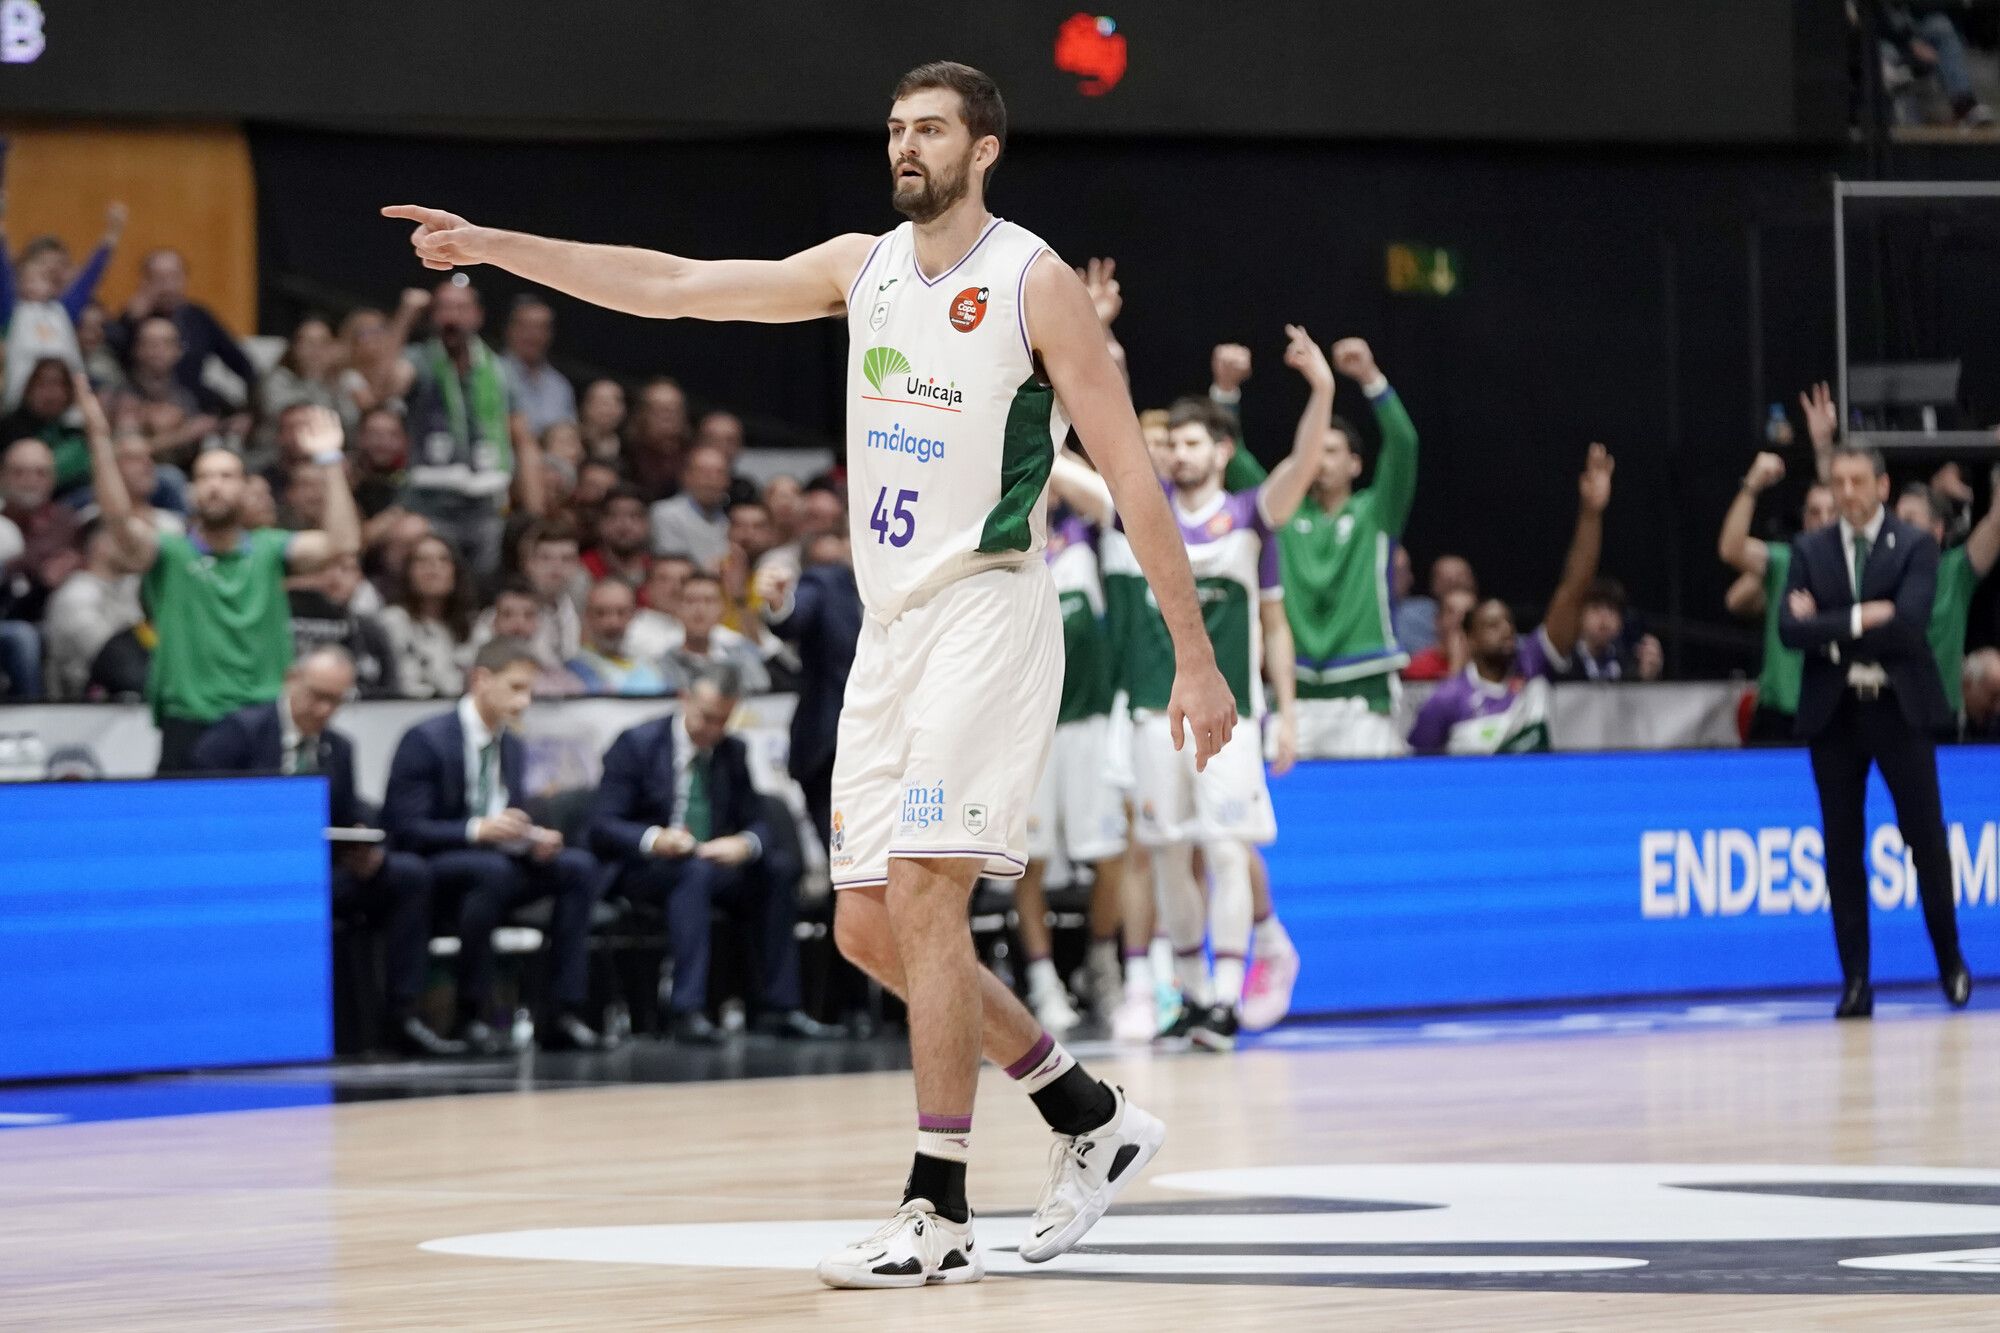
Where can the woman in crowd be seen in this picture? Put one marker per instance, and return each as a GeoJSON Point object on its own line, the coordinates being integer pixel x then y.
{"type": "Point", "coordinates": [430, 622]}
{"type": "Point", "coordinates": [47, 412]}
{"type": "Point", "coordinates": [602, 414]}
{"type": "Point", "coordinates": [309, 372]}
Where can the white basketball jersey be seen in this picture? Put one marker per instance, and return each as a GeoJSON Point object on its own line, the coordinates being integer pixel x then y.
{"type": "Point", "coordinates": [951, 430]}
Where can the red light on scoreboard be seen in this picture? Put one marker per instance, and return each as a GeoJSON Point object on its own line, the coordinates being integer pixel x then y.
{"type": "Point", "coordinates": [1091, 47]}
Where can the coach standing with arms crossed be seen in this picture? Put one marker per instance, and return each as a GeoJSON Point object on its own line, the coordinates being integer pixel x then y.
{"type": "Point", "coordinates": [1871, 695]}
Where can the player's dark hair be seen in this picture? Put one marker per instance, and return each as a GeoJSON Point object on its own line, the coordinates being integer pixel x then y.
{"type": "Point", "coordinates": [1192, 411]}
{"type": "Point", "coordinates": [625, 490]}
{"type": "Point", "coordinates": [978, 96]}
{"type": "Point", "coordinates": [1346, 429]}
{"type": "Point", "coordinates": [499, 654]}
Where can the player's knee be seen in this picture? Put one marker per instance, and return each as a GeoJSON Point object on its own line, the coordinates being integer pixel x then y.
{"type": "Point", "coordinates": [862, 937]}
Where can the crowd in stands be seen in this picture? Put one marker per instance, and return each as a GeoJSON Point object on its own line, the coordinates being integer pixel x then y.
{"type": "Point", "coordinates": [602, 523]}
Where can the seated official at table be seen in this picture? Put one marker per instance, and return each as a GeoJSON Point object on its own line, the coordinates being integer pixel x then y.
{"type": "Point", "coordinates": [452, 798]}
{"type": "Point", "coordinates": [678, 814]}
{"type": "Point", "coordinates": [390, 891]}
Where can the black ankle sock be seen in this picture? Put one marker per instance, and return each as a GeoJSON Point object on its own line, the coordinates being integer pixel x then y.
{"type": "Point", "coordinates": [1075, 1103]}
{"type": "Point", "coordinates": [940, 1180]}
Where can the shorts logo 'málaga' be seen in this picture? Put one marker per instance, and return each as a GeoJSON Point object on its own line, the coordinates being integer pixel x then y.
{"type": "Point", "coordinates": [923, 806]}
{"type": "Point", "coordinates": [968, 308]}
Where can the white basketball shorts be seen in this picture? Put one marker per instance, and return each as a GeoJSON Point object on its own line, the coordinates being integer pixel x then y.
{"type": "Point", "coordinates": [1227, 801]}
{"type": "Point", "coordinates": [1077, 810]}
{"type": "Point", "coordinates": [948, 719]}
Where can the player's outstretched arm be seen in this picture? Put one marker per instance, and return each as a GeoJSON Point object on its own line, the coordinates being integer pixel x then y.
{"type": "Point", "coordinates": [1063, 328]}
{"type": "Point", "coordinates": [811, 284]}
{"type": "Point", "coordinates": [1286, 487]}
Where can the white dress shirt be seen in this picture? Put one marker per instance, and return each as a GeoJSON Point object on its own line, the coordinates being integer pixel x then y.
{"type": "Point", "coordinates": [684, 757]}
{"type": "Point", "coordinates": [477, 737]}
{"type": "Point", "coordinates": [1873, 533]}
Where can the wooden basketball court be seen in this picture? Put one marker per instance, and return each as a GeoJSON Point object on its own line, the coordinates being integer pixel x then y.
{"type": "Point", "coordinates": [1723, 1170]}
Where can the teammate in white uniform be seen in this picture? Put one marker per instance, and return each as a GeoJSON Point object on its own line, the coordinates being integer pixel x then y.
{"type": "Point", "coordinates": [1227, 809]}
{"type": "Point", "coordinates": [972, 344]}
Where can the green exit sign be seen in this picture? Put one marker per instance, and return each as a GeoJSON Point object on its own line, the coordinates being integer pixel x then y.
{"type": "Point", "coordinates": [1422, 270]}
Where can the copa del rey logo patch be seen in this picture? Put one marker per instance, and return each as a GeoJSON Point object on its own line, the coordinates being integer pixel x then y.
{"type": "Point", "coordinates": [1614, 1227]}
{"type": "Point", "coordinates": [968, 308]}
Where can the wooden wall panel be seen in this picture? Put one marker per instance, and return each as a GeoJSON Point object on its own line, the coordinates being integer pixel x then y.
{"type": "Point", "coordinates": [187, 186]}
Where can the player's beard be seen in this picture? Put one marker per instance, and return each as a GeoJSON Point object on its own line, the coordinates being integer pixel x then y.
{"type": "Point", "coordinates": [937, 196]}
{"type": "Point", "coordinates": [220, 516]}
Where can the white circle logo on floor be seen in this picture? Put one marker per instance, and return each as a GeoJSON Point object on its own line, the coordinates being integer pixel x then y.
{"type": "Point", "coordinates": [1740, 1229]}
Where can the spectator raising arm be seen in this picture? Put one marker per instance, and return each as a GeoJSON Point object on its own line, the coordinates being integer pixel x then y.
{"type": "Point", "coordinates": [1745, 598]}
{"type": "Point", "coordinates": [1565, 612]}
{"type": "Point", "coordinates": [137, 539]}
{"type": "Point", "coordinates": [1738, 549]}
{"type": "Point", "coordinates": [1287, 485]}
{"type": "Point", "coordinates": [320, 438]}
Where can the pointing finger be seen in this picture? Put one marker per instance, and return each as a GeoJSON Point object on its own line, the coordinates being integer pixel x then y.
{"type": "Point", "coordinates": [430, 217]}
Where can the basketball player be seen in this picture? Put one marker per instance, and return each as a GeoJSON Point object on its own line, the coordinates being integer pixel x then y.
{"type": "Point", "coordinates": [1232, 545]}
{"type": "Point", "coordinates": [1078, 813]}
{"type": "Point", "coordinates": [974, 349]}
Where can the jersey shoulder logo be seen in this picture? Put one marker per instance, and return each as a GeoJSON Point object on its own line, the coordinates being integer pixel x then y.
{"type": "Point", "coordinates": [1221, 523]}
{"type": "Point", "coordinates": [968, 309]}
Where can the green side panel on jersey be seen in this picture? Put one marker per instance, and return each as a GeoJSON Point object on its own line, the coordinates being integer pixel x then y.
{"type": "Point", "coordinates": [1778, 682]}
{"type": "Point", "coordinates": [1950, 606]}
{"type": "Point", "coordinates": [1027, 456]}
{"type": "Point", "coordinates": [1145, 650]}
{"type": "Point", "coordinates": [1226, 614]}
{"type": "Point", "coordinates": [1088, 682]}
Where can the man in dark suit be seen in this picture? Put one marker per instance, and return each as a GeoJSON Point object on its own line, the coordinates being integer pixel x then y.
{"type": "Point", "coordinates": [1858, 604]}
{"type": "Point", "coordinates": [453, 788]}
{"type": "Point", "coordinates": [676, 810]}
{"type": "Point", "coordinates": [389, 890]}
{"type": "Point", "coordinates": [821, 616]}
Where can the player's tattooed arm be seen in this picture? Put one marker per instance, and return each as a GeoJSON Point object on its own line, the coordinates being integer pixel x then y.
{"type": "Point", "coordinates": [1281, 493]}
{"type": "Point", "coordinates": [811, 284]}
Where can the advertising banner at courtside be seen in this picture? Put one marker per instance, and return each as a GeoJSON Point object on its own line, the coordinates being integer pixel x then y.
{"type": "Point", "coordinates": [1428, 882]}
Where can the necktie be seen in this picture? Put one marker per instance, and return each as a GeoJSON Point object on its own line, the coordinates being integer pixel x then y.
{"type": "Point", "coordinates": [1860, 561]}
{"type": "Point", "coordinates": [486, 778]}
{"type": "Point", "coordinates": [699, 818]}
{"type": "Point", "coordinates": [305, 759]}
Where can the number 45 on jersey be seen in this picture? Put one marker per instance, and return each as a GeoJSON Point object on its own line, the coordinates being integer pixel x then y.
{"type": "Point", "coordinates": [903, 515]}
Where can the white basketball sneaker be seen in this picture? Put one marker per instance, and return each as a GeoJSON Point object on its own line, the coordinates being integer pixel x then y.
{"type": "Point", "coordinates": [1086, 1172]}
{"type": "Point", "coordinates": [915, 1248]}
{"type": "Point", "coordinates": [1054, 1011]}
{"type": "Point", "coordinates": [1136, 1020]}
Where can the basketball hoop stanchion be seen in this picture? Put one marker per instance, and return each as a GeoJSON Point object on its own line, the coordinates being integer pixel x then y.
{"type": "Point", "coordinates": [1915, 193]}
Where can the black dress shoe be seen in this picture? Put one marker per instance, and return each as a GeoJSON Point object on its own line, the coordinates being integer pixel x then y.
{"type": "Point", "coordinates": [567, 1032]}
{"type": "Point", "coordinates": [797, 1025]}
{"type": "Point", "coordinates": [413, 1036]}
{"type": "Point", "coordinates": [1957, 984]}
{"type": "Point", "coordinates": [480, 1038]}
{"type": "Point", "coordinates": [695, 1030]}
{"type": "Point", "coordinates": [1857, 1000]}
